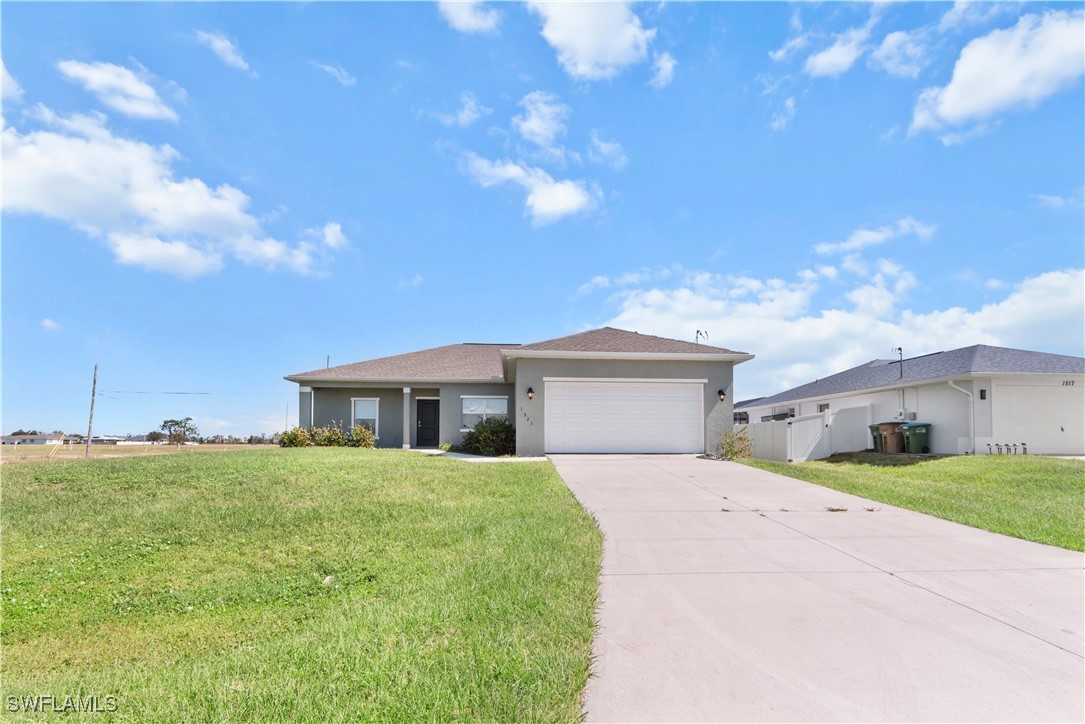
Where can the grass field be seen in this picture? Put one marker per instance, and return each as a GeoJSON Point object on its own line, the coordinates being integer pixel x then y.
{"type": "Point", "coordinates": [1036, 498]}
{"type": "Point", "coordinates": [41, 453]}
{"type": "Point", "coordinates": [316, 584]}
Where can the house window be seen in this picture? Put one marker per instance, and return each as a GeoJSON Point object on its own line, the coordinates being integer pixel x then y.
{"type": "Point", "coordinates": [366, 411]}
{"type": "Point", "coordinates": [741, 418]}
{"type": "Point", "coordinates": [476, 409]}
{"type": "Point", "coordinates": [782, 413]}
{"type": "Point", "coordinates": [823, 406]}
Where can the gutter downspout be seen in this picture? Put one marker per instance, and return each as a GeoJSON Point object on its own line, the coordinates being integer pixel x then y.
{"type": "Point", "coordinates": [312, 407]}
{"type": "Point", "coordinates": [971, 415]}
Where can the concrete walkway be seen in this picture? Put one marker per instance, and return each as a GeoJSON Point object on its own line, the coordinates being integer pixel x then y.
{"type": "Point", "coordinates": [732, 594]}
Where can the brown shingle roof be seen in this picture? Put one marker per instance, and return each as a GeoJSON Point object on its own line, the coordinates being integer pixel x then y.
{"type": "Point", "coordinates": [451, 362]}
{"type": "Point", "coordinates": [484, 361]}
{"type": "Point", "coordinates": [609, 339]}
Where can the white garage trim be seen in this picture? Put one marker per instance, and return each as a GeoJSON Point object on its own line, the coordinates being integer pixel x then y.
{"type": "Point", "coordinates": [619, 415]}
{"type": "Point", "coordinates": [622, 379]}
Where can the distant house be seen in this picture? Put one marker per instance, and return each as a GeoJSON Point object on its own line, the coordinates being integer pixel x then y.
{"type": "Point", "coordinates": [973, 398]}
{"type": "Point", "coordinates": [605, 390]}
{"type": "Point", "coordinates": [51, 438]}
{"type": "Point", "coordinates": [105, 440]}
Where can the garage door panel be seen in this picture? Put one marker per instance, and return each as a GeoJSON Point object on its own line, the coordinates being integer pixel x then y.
{"type": "Point", "coordinates": [1050, 420]}
{"type": "Point", "coordinates": [623, 417]}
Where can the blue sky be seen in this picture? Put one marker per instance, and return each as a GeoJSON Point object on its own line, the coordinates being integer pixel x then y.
{"type": "Point", "coordinates": [205, 197]}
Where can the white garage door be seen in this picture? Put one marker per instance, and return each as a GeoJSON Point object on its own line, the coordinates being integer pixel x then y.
{"type": "Point", "coordinates": [1050, 420]}
{"type": "Point", "coordinates": [624, 417]}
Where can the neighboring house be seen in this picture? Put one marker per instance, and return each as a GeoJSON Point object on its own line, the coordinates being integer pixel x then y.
{"type": "Point", "coordinates": [51, 438]}
{"type": "Point", "coordinates": [972, 397]}
{"type": "Point", "coordinates": [606, 390]}
{"type": "Point", "coordinates": [106, 440]}
{"type": "Point", "coordinates": [741, 418]}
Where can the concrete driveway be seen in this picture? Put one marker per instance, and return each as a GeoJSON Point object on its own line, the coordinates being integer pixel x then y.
{"type": "Point", "coordinates": [732, 594]}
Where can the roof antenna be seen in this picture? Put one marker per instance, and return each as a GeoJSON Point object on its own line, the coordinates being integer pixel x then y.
{"type": "Point", "coordinates": [699, 336]}
{"type": "Point", "coordinates": [900, 352]}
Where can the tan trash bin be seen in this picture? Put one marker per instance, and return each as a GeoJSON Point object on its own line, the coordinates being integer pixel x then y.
{"type": "Point", "coordinates": [892, 438]}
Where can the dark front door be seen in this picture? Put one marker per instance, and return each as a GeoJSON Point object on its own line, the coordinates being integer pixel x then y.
{"type": "Point", "coordinates": [428, 428]}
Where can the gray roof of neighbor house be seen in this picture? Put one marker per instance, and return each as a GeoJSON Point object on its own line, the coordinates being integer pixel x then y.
{"type": "Point", "coordinates": [451, 362]}
{"type": "Point", "coordinates": [979, 359]}
{"type": "Point", "coordinates": [611, 340]}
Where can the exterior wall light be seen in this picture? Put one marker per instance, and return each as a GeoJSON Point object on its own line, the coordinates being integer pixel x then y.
{"type": "Point", "coordinates": [530, 394]}
{"type": "Point", "coordinates": [722, 394]}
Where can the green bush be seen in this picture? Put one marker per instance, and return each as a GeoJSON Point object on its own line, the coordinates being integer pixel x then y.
{"type": "Point", "coordinates": [330, 436]}
{"type": "Point", "coordinates": [295, 437]}
{"type": "Point", "coordinates": [445, 447]}
{"type": "Point", "coordinates": [735, 444]}
{"type": "Point", "coordinates": [492, 438]}
{"type": "Point", "coordinates": [362, 436]}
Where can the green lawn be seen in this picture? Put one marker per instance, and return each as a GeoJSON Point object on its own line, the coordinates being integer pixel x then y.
{"type": "Point", "coordinates": [1036, 498]}
{"type": "Point", "coordinates": [192, 587]}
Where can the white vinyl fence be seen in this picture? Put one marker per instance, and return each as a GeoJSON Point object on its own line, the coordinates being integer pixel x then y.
{"type": "Point", "coordinates": [811, 437]}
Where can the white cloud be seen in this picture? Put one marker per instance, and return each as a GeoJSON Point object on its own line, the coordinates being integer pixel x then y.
{"type": "Point", "coordinates": [1057, 203]}
{"type": "Point", "coordinates": [223, 47]}
{"type": "Point", "coordinates": [543, 120]}
{"type": "Point", "coordinates": [793, 45]}
{"type": "Point", "coordinates": [1007, 69]}
{"type": "Point", "coordinates": [625, 279]}
{"type": "Point", "coordinates": [340, 74]}
{"type": "Point", "coordinates": [968, 12]}
{"type": "Point", "coordinates": [842, 54]}
{"type": "Point", "coordinates": [901, 53]}
{"type": "Point", "coordinates": [118, 88]}
{"type": "Point", "coordinates": [470, 111]}
{"type": "Point", "coordinates": [543, 124]}
{"type": "Point", "coordinates": [332, 236]}
{"type": "Point", "coordinates": [664, 65]}
{"type": "Point", "coordinates": [469, 16]}
{"type": "Point", "coordinates": [11, 90]}
{"type": "Point", "coordinates": [862, 238]}
{"type": "Point", "coordinates": [50, 325]}
{"type": "Point", "coordinates": [547, 200]}
{"type": "Point", "coordinates": [413, 283]}
{"type": "Point", "coordinates": [784, 116]}
{"type": "Point", "coordinates": [795, 342]}
{"type": "Point", "coordinates": [610, 153]}
{"type": "Point", "coordinates": [594, 41]}
{"type": "Point", "coordinates": [125, 192]}
{"type": "Point", "coordinates": [172, 257]}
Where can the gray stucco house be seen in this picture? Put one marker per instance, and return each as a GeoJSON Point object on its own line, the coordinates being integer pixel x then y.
{"type": "Point", "coordinates": [602, 391]}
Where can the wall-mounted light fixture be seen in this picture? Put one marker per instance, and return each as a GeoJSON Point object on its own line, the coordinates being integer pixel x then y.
{"type": "Point", "coordinates": [722, 394]}
{"type": "Point", "coordinates": [530, 394]}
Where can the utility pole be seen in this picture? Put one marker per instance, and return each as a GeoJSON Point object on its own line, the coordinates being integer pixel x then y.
{"type": "Point", "coordinates": [93, 392]}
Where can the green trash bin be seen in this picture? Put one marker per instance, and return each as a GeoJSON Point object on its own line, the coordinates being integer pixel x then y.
{"type": "Point", "coordinates": [916, 437]}
{"type": "Point", "coordinates": [877, 438]}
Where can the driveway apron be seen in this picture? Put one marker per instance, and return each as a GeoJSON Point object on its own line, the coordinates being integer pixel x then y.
{"type": "Point", "coordinates": [733, 594]}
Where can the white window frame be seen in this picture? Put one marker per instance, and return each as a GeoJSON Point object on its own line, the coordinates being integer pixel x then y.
{"type": "Point", "coordinates": [376, 422]}
{"type": "Point", "coordinates": [482, 397]}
